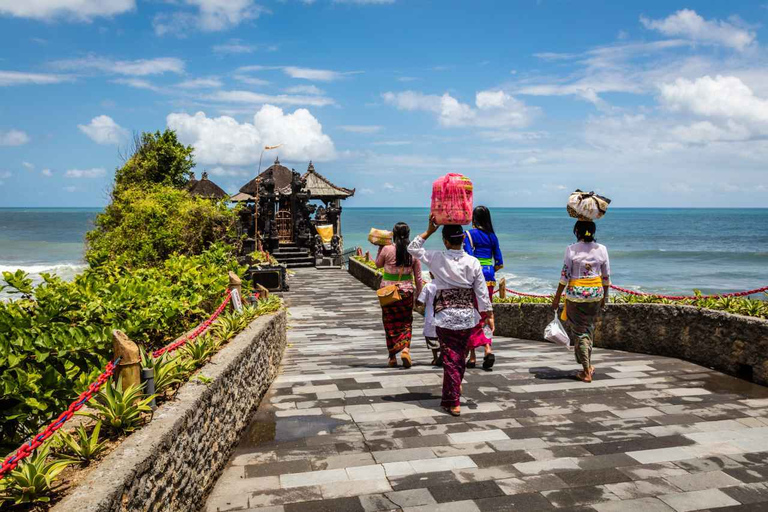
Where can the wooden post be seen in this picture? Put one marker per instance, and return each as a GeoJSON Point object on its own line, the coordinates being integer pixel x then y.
{"type": "Point", "coordinates": [235, 283]}
{"type": "Point", "coordinates": [367, 256]}
{"type": "Point", "coordinates": [129, 367]}
{"type": "Point", "coordinates": [503, 288]}
{"type": "Point", "coordinates": [263, 292]}
{"type": "Point", "coordinates": [359, 252]}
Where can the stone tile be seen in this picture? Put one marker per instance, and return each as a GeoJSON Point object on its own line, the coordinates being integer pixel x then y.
{"type": "Point", "coordinates": [468, 491]}
{"type": "Point", "coordinates": [546, 466]}
{"type": "Point", "coordinates": [411, 498]}
{"type": "Point", "coordinates": [284, 496]}
{"type": "Point", "coordinates": [508, 445]}
{"type": "Point", "coordinates": [423, 481]}
{"type": "Point", "coordinates": [477, 436]}
{"type": "Point", "coordinates": [484, 460]}
{"type": "Point", "coordinates": [277, 468]}
{"type": "Point", "coordinates": [642, 488]}
{"type": "Point", "coordinates": [707, 464]}
{"type": "Point", "coordinates": [356, 488]}
{"type": "Point", "coordinates": [518, 502]}
{"type": "Point", "coordinates": [750, 474]}
{"type": "Point", "coordinates": [642, 504]}
{"type": "Point", "coordinates": [701, 481]}
{"type": "Point", "coordinates": [660, 455]}
{"type": "Point", "coordinates": [313, 478]}
{"type": "Point", "coordinates": [531, 484]}
{"type": "Point", "coordinates": [579, 496]}
{"type": "Point", "coordinates": [490, 473]}
{"type": "Point", "coordinates": [614, 460]}
{"type": "Point", "coordinates": [698, 500]}
{"type": "Point", "coordinates": [749, 493]}
{"type": "Point", "coordinates": [456, 506]}
{"type": "Point", "coordinates": [343, 461]}
{"type": "Point", "coordinates": [403, 455]}
{"type": "Point", "coordinates": [332, 505]}
{"type": "Point", "coordinates": [584, 477]}
{"type": "Point", "coordinates": [462, 449]}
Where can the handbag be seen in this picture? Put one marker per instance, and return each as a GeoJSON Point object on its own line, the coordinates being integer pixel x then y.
{"type": "Point", "coordinates": [391, 293]}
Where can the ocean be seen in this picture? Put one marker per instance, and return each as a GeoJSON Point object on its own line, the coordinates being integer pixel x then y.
{"type": "Point", "coordinates": [653, 250]}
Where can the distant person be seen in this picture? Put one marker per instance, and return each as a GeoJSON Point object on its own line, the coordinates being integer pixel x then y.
{"type": "Point", "coordinates": [461, 293]}
{"type": "Point", "coordinates": [426, 300]}
{"type": "Point", "coordinates": [402, 270]}
{"type": "Point", "coordinates": [586, 279]}
{"type": "Point", "coordinates": [482, 243]}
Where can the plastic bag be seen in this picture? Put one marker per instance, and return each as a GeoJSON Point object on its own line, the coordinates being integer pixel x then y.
{"type": "Point", "coordinates": [587, 205]}
{"type": "Point", "coordinates": [555, 332]}
{"type": "Point", "coordinates": [380, 237]}
{"type": "Point", "coordinates": [452, 200]}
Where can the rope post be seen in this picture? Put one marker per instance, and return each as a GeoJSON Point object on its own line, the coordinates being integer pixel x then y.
{"type": "Point", "coordinates": [367, 256]}
{"type": "Point", "coordinates": [235, 283]}
{"type": "Point", "coordinates": [263, 292]}
{"type": "Point", "coordinates": [129, 367]}
{"type": "Point", "coordinates": [503, 288]}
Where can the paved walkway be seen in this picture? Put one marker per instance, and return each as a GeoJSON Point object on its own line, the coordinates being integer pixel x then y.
{"type": "Point", "coordinates": [341, 432]}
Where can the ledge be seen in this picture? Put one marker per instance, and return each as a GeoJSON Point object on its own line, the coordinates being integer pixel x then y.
{"type": "Point", "coordinates": [173, 461]}
{"type": "Point", "coordinates": [733, 344]}
{"type": "Point", "coordinates": [364, 274]}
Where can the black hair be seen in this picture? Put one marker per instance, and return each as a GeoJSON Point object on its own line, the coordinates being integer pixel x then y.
{"type": "Point", "coordinates": [481, 219]}
{"type": "Point", "coordinates": [401, 237]}
{"type": "Point", "coordinates": [585, 230]}
{"type": "Point", "coordinates": [453, 234]}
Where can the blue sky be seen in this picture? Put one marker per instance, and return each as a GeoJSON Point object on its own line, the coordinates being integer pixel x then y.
{"type": "Point", "coordinates": [658, 104]}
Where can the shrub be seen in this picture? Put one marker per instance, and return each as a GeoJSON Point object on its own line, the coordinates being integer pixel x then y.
{"type": "Point", "coordinates": [156, 159]}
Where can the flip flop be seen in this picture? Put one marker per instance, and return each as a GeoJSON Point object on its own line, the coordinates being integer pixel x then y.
{"type": "Point", "coordinates": [488, 361]}
{"type": "Point", "coordinates": [406, 360]}
{"type": "Point", "coordinates": [392, 363]}
{"type": "Point", "coordinates": [452, 412]}
{"type": "Point", "coordinates": [584, 376]}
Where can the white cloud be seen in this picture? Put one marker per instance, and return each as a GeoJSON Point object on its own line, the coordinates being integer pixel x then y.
{"type": "Point", "coordinates": [5, 174]}
{"type": "Point", "coordinates": [221, 171]}
{"type": "Point", "coordinates": [85, 173]}
{"type": "Point", "coordinates": [28, 166]}
{"type": "Point", "coordinates": [211, 16]}
{"type": "Point", "coordinates": [321, 75]}
{"type": "Point", "coordinates": [358, 128]}
{"type": "Point", "coordinates": [255, 98]}
{"type": "Point", "coordinates": [235, 46]}
{"type": "Point", "coordinates": [688, 24]}
{"type": "Point", "coordinates": [8, 78]}
{"type": "Point", "coordinates": [210, 82]}
{"type": "Point", "coordinates": [81, 10]}
{"type": "Point", "coordinates": [224, 141]}
{"type": "Point", "coordinates": [493, 109]}
{"type": "Point", "coordinates": [305, 89]}
{"type": "Point", "coordinates": [13, 138]}
{"type": "Point", "coordinates": [249, 80]}
{"type": "Point", "coordinates": [723, 96]}
{"type": "Point", "coordinates": [140, 67]}
{"type": "Point", "coordinates": [46, 172]}
{"type": "Point", "coordinates": [137, 83]}
{"type": "Point", "coordinates": [104, 130]}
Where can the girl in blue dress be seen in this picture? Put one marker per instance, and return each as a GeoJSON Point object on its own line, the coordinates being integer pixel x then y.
{"type": "Point", "coordinates": [482, 243]}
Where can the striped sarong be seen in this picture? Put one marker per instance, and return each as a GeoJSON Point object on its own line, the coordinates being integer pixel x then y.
{"type": "Point", "coordinates": [398, 321]}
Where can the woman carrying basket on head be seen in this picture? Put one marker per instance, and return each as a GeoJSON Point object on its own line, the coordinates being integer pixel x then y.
{"type": "Point", "coordinates": [404, 271]}
{"type": "Point", "coordinates": [586, 279]}
{"type": "Point", "coordinates": [482, 243]}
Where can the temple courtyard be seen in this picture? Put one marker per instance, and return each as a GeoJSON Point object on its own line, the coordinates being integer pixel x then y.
{"type": "Point", "coordinates": [339, 431]}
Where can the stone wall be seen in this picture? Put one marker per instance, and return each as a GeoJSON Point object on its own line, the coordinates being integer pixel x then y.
{"type": "Point", "coordinates": [733, 344]}
{"type": "Point", "coordinates": [364, 274]}
{"type": "Point", "coordinates": [173, 462]}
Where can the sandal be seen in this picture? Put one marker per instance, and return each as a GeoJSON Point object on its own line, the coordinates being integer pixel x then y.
{"type": "Point", "coordinates": [488, 361]}
{"type": "Point", "coordinates": [584, 376]}
{"type": "Point", "coordinates": [406, 358]}
{"type": "Point", "coordinates": [471, 364]}
{"type": "Point", "coordinates": [453, 411]}
{"type": "Point", "coordinates": [392, 362]}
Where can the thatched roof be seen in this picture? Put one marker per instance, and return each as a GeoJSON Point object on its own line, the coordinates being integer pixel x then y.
{"type": "Point", "coordinates": [242, 198]}
{"type": "Point", "coordinates": [206, 188]}
{"type": "Point", "coordinates": [282, 175]}
{"type": "Point", "coordinates": [319, 187]}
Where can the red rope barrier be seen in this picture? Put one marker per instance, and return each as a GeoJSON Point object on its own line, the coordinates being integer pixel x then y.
{"type": "Point", "coordinates": [197, 332]}
{"type": "Point", "coordinates": [691, 297]}
{"type": "Point", "coordinates": [10, 463]}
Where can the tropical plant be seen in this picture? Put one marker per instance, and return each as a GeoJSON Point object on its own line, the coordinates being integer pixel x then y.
{"type": "Point", "coordinates": [198, 350]}
{"type": "Point", "coordinates": [168, 369]}
{"type": "Point", "coordinates": [368, 263]}
{"type": "Point", "coordinates": [120, 410]}
{"type": "Point", "coordinates": [82, 447]}
{"type": "Point", "coordinates": [155, 159]}
{"type": "Point", "coordinates": [33, 480]}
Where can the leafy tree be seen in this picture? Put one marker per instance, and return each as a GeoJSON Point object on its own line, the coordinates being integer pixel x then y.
{"type": "Point", "coordinates": [157, 159]}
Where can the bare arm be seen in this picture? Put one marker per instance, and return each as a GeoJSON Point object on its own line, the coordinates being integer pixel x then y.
{"type": "Point", "coordinates": [556, 298]}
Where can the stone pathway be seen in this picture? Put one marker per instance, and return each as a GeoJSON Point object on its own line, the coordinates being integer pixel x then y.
{"type": "Point", "coordinates": [341, 432]}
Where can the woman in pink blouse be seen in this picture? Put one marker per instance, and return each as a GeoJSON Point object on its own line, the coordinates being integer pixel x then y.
{"type": "Point", "coordinates": [586, 280]}
{"type": "Point", "coordinates": [400, 269]}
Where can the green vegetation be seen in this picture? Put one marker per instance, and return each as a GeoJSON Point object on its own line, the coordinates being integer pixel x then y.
{"type": "Point", "coordinates": [370, 263]}
{"type": "Point", "coordinates": [121, 409]}
{"type": "Point", "coordinates": [33, 480]}
{"type": "Point", "coordinates": [82, 447]}
{"type": "Point", "coordinates": [156, 159]}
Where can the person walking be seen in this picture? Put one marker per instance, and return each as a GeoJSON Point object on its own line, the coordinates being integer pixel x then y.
{"type": "Point", "coordinates": [462, 305]}
{"type": "Point", "coordinates": [586, 280]}
{"type": "Point", "coordinates": [402, 270]}
{"type": "Point", "coordinates": [426, 300]}
{"type": "Point", "coordinates": [482, 243]}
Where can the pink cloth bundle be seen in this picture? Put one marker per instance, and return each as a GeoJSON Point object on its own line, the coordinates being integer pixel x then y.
{"type": "Point", "coordinates": [452, 199]}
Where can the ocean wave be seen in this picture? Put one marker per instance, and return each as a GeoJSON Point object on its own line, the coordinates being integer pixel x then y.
{"type": "Point", "coordinates": [57, 268]}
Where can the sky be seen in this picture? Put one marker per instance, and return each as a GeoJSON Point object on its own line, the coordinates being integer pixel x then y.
{"type": "Point", "coordinates": [653, 104]}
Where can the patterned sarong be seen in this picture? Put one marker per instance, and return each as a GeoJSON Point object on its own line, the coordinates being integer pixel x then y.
{"type": "Point", "coordinates": [455, 348]}
{"type": "Point", "coordinates": [398, 320]}
{"type": "Point", "coordinates": [581, 324]}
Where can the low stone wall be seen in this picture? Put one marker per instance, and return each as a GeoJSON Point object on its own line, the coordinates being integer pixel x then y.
{"type": "Point", "coordinates": [733, 344]}
{"type": "Point", "coordinates": [364, 274]}
{"type": "Point", "coordinates": [173, 462]}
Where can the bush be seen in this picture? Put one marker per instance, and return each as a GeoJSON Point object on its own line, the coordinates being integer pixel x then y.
{"type": "Point", "coordinates": [156, 159]}
{"type": "Point", "coordinates": [52, 346]}
{"type": "Point", "coordinates": [145, 227]}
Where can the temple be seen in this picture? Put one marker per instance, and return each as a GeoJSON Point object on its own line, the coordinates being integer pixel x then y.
{"type": "Point", "coordinates": [296, 218]}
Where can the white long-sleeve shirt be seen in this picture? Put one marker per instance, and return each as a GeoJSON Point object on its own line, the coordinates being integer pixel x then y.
{"type": "Point", "coordinates": [454, 269]}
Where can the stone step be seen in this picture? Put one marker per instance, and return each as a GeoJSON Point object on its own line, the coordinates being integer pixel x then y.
{"type": "Point", "coordinates": [292, 257]}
